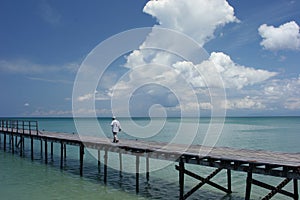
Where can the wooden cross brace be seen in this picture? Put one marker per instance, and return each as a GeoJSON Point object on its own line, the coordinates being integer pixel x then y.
{"type": "Point", "coordinates": [274, 190]}
{"type": "Point", "coordinates": [203, 181]}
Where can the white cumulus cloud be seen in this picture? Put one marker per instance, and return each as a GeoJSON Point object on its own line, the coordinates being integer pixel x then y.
{"type": "Point", "coordinates": [235, 75]}
{"type": "Point", "coordinates": [220, 65]}
{"type": "Point", "coordinates": [196, 18]}
{"type": "Point", "coordinates": [286, 36]}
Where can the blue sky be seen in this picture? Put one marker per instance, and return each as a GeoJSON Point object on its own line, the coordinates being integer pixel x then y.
{"type": "Point", "coordinates": [255, 46]}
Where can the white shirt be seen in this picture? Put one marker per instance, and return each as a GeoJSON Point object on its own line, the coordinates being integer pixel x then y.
{"type": "Point", "coordinates": [115, 126]}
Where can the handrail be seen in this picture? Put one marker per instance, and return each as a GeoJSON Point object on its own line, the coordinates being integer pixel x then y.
{"type": "Point", "coordinates": [19, 126]}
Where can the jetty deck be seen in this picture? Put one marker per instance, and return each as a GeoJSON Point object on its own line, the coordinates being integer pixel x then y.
{"type": "Point", "coordinates": [278, 164]}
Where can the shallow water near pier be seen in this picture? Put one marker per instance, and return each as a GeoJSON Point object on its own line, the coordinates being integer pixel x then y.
{"type": "Point", "coordinates": [21, 178]}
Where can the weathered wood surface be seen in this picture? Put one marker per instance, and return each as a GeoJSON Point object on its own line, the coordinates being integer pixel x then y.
{"type": "Point", "coordinates": [196, 151]}
{"type": "Point", "coordinates": [170, 151]}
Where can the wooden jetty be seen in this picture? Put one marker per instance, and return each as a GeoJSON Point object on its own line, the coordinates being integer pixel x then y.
{"type": "Point", "coordinates": [284, 165]}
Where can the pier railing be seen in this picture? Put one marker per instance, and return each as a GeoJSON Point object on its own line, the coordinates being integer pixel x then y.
{"type": "Point", "coordinates": [19, 126]}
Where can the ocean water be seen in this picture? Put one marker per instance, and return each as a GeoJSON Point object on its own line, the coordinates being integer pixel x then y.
{"type": "Point", "coordinates": [21, 178]}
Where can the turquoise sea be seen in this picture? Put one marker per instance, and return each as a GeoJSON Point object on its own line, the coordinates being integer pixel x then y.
{"type": "Point", "coordinates": [21, 178]}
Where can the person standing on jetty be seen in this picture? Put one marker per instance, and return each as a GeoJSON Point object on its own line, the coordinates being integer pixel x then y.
{"type": "Point", "coordinates": [116, 127]}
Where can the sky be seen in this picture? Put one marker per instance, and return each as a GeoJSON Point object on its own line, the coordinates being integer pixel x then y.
{"type": "Point", "coordinates": [252, 65]}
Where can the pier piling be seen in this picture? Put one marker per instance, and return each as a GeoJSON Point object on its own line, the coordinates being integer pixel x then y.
{"type": "Point", "coordinates": [248, 184]}
{"type": "Point", "coordinates": [41, 142]}
{"type": "Point", "coordinates": [229, 181]}
{"type": "Point", "coordinates": [137, 162]}
{"type": "Point", "coordinates": [31, 147]}
{"type": "Point", "coordinates": [81, 152]}
{"type": "Point", "coordinates": [4, 144]}
{"type": "Point", "coordinates": [105, 166]}
{"type": "Point", "coordinates": [121, 165]}
{"type": "Point", "coordinates": [99, 162]}
{"type": "Point", "coordinates": [61, 154]}
{"type": "Point", "coordinates": [12, 144]}
{"type": "Point", "coordinates": [147, 167]}
{"type": "Point", "coordinates": [51, 150]}
{"type": "Point", "coordinates": [296, 193]}
{"type": "Point", "coordinates": [46, 151]}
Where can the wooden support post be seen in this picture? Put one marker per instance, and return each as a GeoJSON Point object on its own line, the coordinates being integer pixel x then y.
{"type": "Point", "coordinates": [248, 184]}
{"type": "Point", "coordinates": [29, 127]}
{"type": "Point", "coordinates": [6, 125]}
{"type": "Point", "coordinates": [229, 181]}
{"type": "Point", "coordinates": [181, 179]}
{"type": "Point", "coordinates": [61, 154]}
{"type": "Point", "coordinates": [137, 173]}
{"type": "Point", "coordinates": [21, 145]}
{"type": "Point", "coordinates": [147, 167]}
{"type": "Point", "coordinates": [296, 194]}
{"type": "Point", "coordinates": [105, 166]}
{"type": "Point", "coordinates": [37, 128]}
{"type": "Point", "coordinates": [12, 144]}
{"type": "Point", "coordinates": [65, 151]}
{"type": "Point", "coordinates": [81, 151]}
{"type": "Point", "coordinates": [23, 128]}
{"type": "Point", "coordinates": [121, 166]}
{"type": "Point", "coordinates": [41, 148]}
{"type": "Point", "coordinates": [31, 139]}
{"type": "Point", "coordinates": [46, 151]}
{"type": "Point", "coordinates": [4, 144]}
{"type": "Point", "coordinates": [51, 149]}
{"type": "Point", "coordinates": [9, 139]}
{"type": "Point", "coordinates": [99, 163]}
